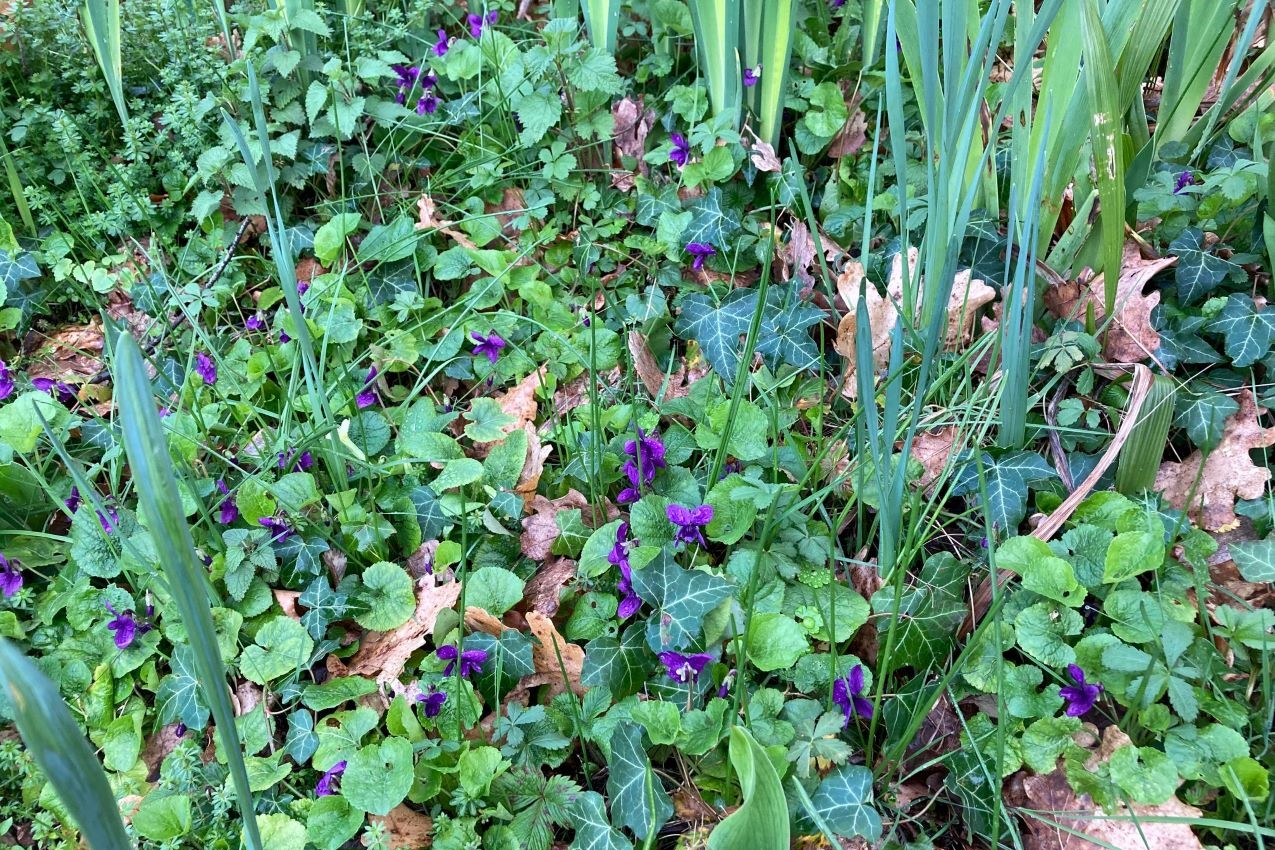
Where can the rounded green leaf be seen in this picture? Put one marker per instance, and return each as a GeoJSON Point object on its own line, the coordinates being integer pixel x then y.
{"type": "Point", "coordinates": [378, 777]}
{"type": "Point", "coordinates": [387, 597]}
{"type": "Point", "coordinates": [775, 642]}
{"type": "Point", "coordinates": [282, 646]}
{"type": "Point", "coordinates": [332, 822]}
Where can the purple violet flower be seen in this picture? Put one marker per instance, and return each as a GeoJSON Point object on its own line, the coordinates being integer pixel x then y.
{"type": "Point", "coordinates": [1080, 697]}
{"type": "Point", "coordinates": [367, 396]}
{"type": "Point", "coordinates": [61, 390]}
{"type": "Point", "coordinates": [443, 43]}
{"type": "Point", "coordinates": [283, 337]}
{"type": "Point", "coordinates": [10, 578]}
{"type": "Point", "coordinates": [227, 511]}
{"type": "Point", "coordinates": [1186, 178]}
{"type": "Point", "coordinates": [471, 660]}
{"type": "Point", "coordinates": [619, 556]}
{"type": "Point", "coordinates": [681, 152]}
{"type": "Point", "coordinates": [290, 461]}
{"type": "Point", "coordinates": [684, 668]}
{"type": "Point", "coordinates": [72, 501]}
{"type": "Point", "coordinates": [110, 518]}
{"type": "Point", "coordinates": [254, 323]}
{"type": "Point", "coordinates": [326, 784]}
{"type": "Point", "coordinates": [6, 381]}
{"type": "Point", "coordinates": [489, 346]}
{"type": "Point", "coordinates": [126, 627]}
{"type": "Point", "coordinates": [689, 522]}
{"type": "Point", "coordinates": [281, 531]}
{"type": "Point", "coordinates": [433, 700]}
{"type": "Point", "coordinates": [303, 286]}
{"type": "Point", "coordinates": [647, 452]}
{"type": "Point", "coordinates": [427, 105]}
{"type": "Point", "coordinates": [478, 22]}
{"type": "Point", "coordinates": [727, 682]}
{"type": "Point", "coordinates": [700, 251]}
{"type": "Point", "coordinates": [752, 75]}
{"type": "Point", "coordinates": [206, 368]}
{"type": "Point", "coordinates": [847, 693]}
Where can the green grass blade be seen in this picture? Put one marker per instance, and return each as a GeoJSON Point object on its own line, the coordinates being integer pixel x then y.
{"type": "Point", "coordinates": [602, 17]}
{"type": "Point", "coordinates": [16, 189]}
{"type": "Point", "coordinates": [717, 42]}
{"type": "Point", "coordinates": [1201, 32]}
{"type": "Point", "coordinates": [102, 24]}
{"type": "Point", "coordinates": [870, 30]}
{"type": "Point", "coordinates": [61, 751]}
{"type": "Point", "coordinates": [1108, 146]}
{"type": "Point", "coordinates": [152, 470]}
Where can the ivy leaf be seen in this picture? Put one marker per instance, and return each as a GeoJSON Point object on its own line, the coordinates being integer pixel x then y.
{"type": "Point", "coordinates": [1008, 479]}
{"type": "Point", "coordinates": [1247, 332]}
{"type": "Point", "coordinates": [785, 335]}
{"type": "Point", "coordinates": [1255, 559]}
{"type": "Point", "coordinates": [710, 222]}
{"type": "Point", "coordinates": [843, 801]}
{"type": "Point", "coordinates": [621, 665]}
{"type": "Point", "coordinates": [179, 699]}
{"type": "Point", "coordinates": [682, 599]}
{"type": "Point", "coordinates": [593, 830]}
{"type": "Point", "coordinates": [638, 798]}
{"type": "Point", "coordinates": [929, 611]}
{"type": "Point", "coordinates": [1199, 271]}
{"type": "Point", "coordinates": [1204, 416]}
{"type": "Point", "coordinates": [301, 741]}
{"type": "Point", "coordinates": [324, 605]}
{"type": "Point", "coordinates": [718, 328]}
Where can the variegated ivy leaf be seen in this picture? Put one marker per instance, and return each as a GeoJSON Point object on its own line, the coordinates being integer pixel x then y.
{"type": "Point", "coordinates": [638, 799]}
{"type": "Point", "coordinates": [681, 597]}
{"type": "Point", "coordinates": [1204, 416]}
{"type": "Point", "coordinates": [843, 801]}
{"type": "Point", "coordinates": [718, 327]}
{"type": "Point", "coordinates": [1199, 271]}
{"type": "Point", "coordinates": [1008, 479]}
{"type": "Point", "coordinates": [593, 830]}
{"type": "Point", "coordinates": [1246, 330]}
{"type": "Point", "coordinates": [619, 664]}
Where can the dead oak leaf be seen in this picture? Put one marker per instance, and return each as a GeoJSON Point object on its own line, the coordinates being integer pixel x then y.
{"type": "Point", "coordinates": [385, 654]}
{"type": "Point", "coordinates": [544, 589]}
{"type": "Point", "coordinates": [933, 449]}
{"type": "Point", "coordinates": [633, 121]}
{"type": "Point", "coordinates": [881, 316]}
{"type": "Point", "coordinates": [969, 295]}
{"type": "Point", "coordinates": [1226, 474]}
{"type": "Point", "coordinates": [540, 530]}
{"type": "Point", "coordinates": [1059, 819]}
{"type": "Point", "coordinates": [520, 401]}
{"type": "Point", "coordinates": [797, 255]}
{"type": "Point", "coordinates": [853, 135]}
{"type": "Point", "coordinates": [406, 828]}
{"type": "Point", "coordinates": [1131, 336]}
{"type": "Point", "coordinates": [555, 659]}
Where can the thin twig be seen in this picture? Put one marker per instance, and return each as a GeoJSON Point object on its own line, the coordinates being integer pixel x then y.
{"type": "Point", "coordinates": [1055, 440]}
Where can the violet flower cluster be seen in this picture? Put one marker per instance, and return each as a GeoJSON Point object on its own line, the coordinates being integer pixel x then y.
{"type": "Point", "coordinates": [645, 456]}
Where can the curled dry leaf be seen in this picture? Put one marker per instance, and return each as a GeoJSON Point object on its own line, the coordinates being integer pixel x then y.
{"type": "Point", "coordinates": [933, 450]}
{"type": "Point", "coordinates": [1226, 474]}
{"type": "Point", "coordinates": [157, 748]}
{"type": "Point", "coordinates": [308, 268]}
{"type": "Point", "coordinates": [385, 654]}
{"type": "Point", "coordinates": [763, 157]}
{"type": "Point", "coordinates": [652, 376]}
{"type": "Point", "coordinates": [287, 600]}
{"type": "Point", "coordinates": [796, 256]}
{"type": "Point", "coordinates": [881, 314]}
{"type": "Point", "coordinates": [406, 828]}
{"type": "Point", "coordinates": [427, 219]}
{"type": "Point", "coordinates": [968, 295]}
{"type": "Point", "coordinates": [421, 562]}
{"type": "Point", "coordinates": [511, 207]}
{"type": "Point", "coordinates": [534, 466]}
{"type": "Point", "coordinates": [543, 589]}
{"type": "Point", "coordinates": [853, 135]}
{"type": "Point", "coordinates": [541, 528]}
{"type": "Point", "coordinates": [575, 392]}
{"type": "Point", "coordinates": [1131, 336]}
{"type": "Point", "coordinates": [71, 354]}
{"type": "Point", "coordinates": [520, 400]}
{"type": "Point", "coordinates": [633, 121]}
{"type": "Point", "coordinates": [545, 655]}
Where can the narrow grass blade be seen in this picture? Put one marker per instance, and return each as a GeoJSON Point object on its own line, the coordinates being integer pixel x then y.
{"type": "Point", "coordinates": [16, 189]}
{"type": "Point", "coordinates": [152, 470]}
{"type": "Point", "coordinates": [1201, 32]}
{"type": "Point", "coordinates": [717, 42]}
{"type": "Point", "coordinates": [1108, 146]}
{"type": "Point", "coordinates": [62, 752]}
{"type": "Point", "coordinates": [602, 17]}
{"type": "Point", "coordinates": [870, 30]}
{"type": "Point", "coordinates": [102, 24]}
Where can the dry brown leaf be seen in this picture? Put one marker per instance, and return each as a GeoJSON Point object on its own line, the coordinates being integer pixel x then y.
{"type": "Point", "coordinates": [1044, 801]}
{"type": "Point", "coordinates": [72, 354]}
{"type": "Point", "coordinates": [427, 219]}
{"type": "Point", "coordinates": [882, 316]}
{"type": "Point", "coordinates": [480, 620]}
{"type": "Point", "coordinates": [644, 363]}
{"type": "Point", "coordinates": [541, 528]}
{"type": "Point", "coordinates": [534, 466]}
{"type": "Point", "coordinates": [385, 654]}
{"type": "Point", "coordinates": [120, 308]}
{"type": "Point", "coordinates": [545, 587]}
{"type": "Point", "coordinates": [852, 136]}
{"type": "Point", "coordinates": [763, 157]}
{"type": "Point", "coordinates": [545, 655]}
{"type": "Point", "coordinates": [287, 600]}
{"type": "Point", "coordinates": [633, 121]}
{"type": "Point", "coordinates": [1228, 472]}
{"type": "Point", "coordinates": [1131, 336]}
{"type": "Point", "coordinates": [406, 828]}
{"type": "Point", "coordinates": [308, 268]}
{"type": "Point", "coordinates": [511, 207]}
{"type": "Point", "coordinates": [933, 450]}
{"type": "Point", "coordinates": [797, 254]}
{"type": "Point", "coordinates": [575, 392]}
{"type": "Point", "coordinates": [421, 562]}
{"type": "Point", "coordinates": [157, 748]}
{"type": "Point", "coordinates": [520, 400]}
{"type": "Point", "coordinates": [968, 296]}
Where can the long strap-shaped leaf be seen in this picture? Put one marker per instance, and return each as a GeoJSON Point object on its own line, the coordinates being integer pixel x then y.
{"type": "Point", "coordinates": [761, 823]}
{"type": "Point", "coordinates": [152, 470]}
{"type": "Point", "coordinates": [602, 17]}
{"type": "Point", "coordinates": [58, 746]}
{"type": "Point", "coordinates": [102, 24]}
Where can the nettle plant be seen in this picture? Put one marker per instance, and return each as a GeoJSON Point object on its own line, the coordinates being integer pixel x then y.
{"type": "Point", "coordinates": [1113, 634]}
